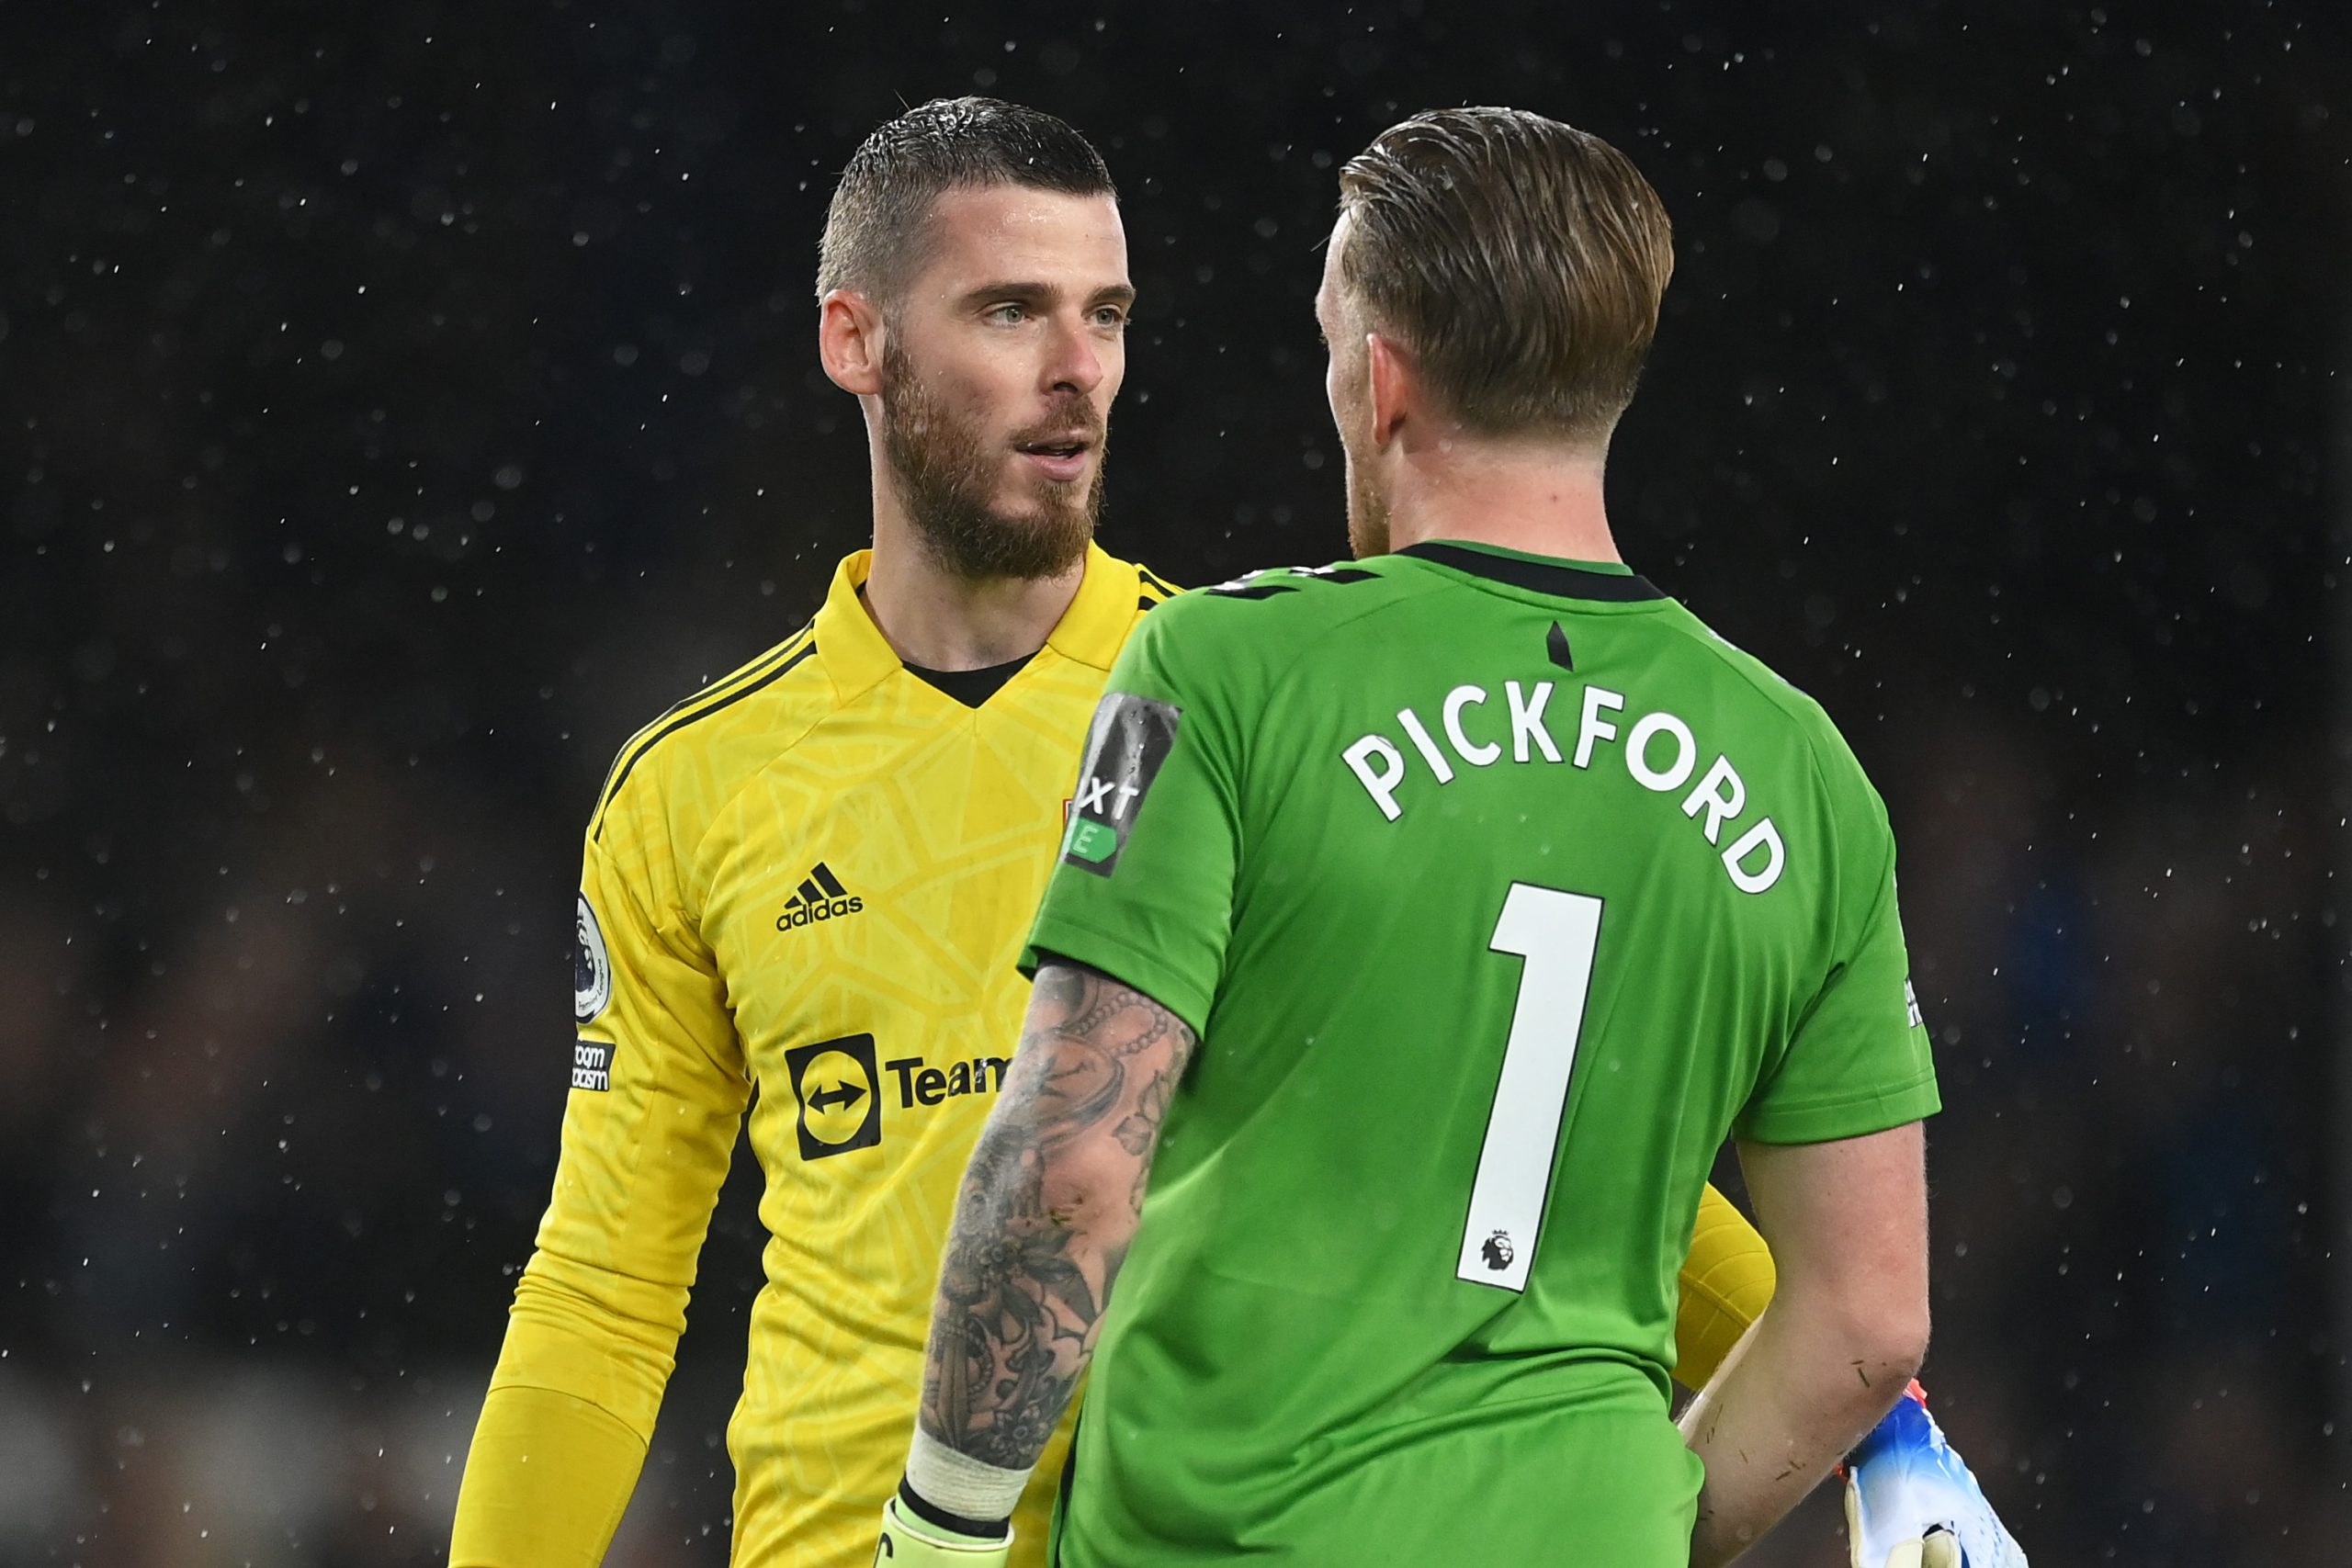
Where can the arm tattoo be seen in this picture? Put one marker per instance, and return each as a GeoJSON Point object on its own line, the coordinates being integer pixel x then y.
{"type": "Point", "coordinates": [1050, 1204]}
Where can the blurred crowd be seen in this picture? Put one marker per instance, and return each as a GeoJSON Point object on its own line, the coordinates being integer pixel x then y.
{"type": "Point", "coordinates": [399, 413]}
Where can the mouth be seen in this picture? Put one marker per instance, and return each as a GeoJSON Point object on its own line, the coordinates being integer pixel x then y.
{"type": "Point", "coordinates": [1059, 458]}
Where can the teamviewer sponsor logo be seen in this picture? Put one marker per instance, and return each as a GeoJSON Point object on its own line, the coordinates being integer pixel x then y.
{"type": "Point", "coordinates": [835, 1082]}
{"type": "Point", "coordinates": [820, 897]}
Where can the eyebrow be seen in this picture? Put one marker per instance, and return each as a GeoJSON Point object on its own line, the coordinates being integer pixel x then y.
{"type": "Point", "coordinates": [1045, 293]}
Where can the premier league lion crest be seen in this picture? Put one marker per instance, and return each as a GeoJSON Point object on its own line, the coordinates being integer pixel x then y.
{"type": "Point", "coordinates": [591, 970]}
{"type": "Point", "coordinates": [1498, 1250]}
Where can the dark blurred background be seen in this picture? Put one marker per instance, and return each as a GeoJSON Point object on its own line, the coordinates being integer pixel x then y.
{"type": "Point", "coordinates": [399, 404]}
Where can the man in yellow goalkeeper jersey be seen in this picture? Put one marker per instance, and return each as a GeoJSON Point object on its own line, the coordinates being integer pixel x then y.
{"type": "Point", "coordinates": [812, 879]}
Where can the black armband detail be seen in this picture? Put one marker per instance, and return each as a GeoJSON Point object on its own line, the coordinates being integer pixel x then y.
{"type": "Point", "coordinates": [940, 1518]}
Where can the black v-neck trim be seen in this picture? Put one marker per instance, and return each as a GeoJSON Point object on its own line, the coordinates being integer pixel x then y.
{"type": "Point", "coordinates": [971, 687]}
{"type": "Point", "coordinates": [1554, 578]}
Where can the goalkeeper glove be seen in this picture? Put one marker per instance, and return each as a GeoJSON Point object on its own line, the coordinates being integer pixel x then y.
{"type": "Point", "coordinates": [910, 1540]}
{"type": "Point", "coordinates": [1911, 1502]}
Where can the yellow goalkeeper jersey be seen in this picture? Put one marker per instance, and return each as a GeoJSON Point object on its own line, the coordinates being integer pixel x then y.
{"type": "Point", "coordinates": [802, 893]}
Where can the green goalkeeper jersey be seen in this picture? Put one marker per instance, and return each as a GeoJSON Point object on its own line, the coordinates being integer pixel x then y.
{"type": "Point", "coordinates": [1498, 890]}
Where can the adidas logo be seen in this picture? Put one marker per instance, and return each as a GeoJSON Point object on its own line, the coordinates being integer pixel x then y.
{"type": "Point", "coordinates": [820, 897]}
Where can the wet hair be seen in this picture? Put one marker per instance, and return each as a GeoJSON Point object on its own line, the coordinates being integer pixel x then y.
{"type": "Point", "coordinates": [1517, 260]}
{"type": "Point", "coordinates": [877, 227]}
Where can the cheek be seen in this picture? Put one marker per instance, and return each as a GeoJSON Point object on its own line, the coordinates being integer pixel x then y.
{"type": "Point", "coordinates": [968, 384]}
{"type": "Point", "coordinates": [1345, 392]}
{"type": "Point", "coordinates": [1113, 358]}
{"type": "Point", "coordinates": [967, 387]}
{"type": "Point", "coordinates": [983, 406]}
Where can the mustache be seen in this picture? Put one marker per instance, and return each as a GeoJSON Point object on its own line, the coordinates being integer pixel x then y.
{"type": "Point", "coordinates": [1077, 416]}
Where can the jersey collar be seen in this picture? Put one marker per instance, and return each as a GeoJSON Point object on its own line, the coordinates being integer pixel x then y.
{"type": "Point", "coordinates": [1095, 627]}
{"type": "Point", "coordinates": [855, 652]}
{"type": "Point", "coordinates": [857, 656]}
{"type": "Point", "coordinates": [1607, 581]}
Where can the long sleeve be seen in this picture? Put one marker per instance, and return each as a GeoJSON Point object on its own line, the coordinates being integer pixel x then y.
{"type": "Point", "coordinates": [658, 1094]}
{"type": "Point", "coordinates": [546, 1483]}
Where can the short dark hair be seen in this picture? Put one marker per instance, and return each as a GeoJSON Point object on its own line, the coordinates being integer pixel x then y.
{"type": "Point", "coordinates": [1520, 261]}
{"type": "Point", "coordinates": [876, 227]}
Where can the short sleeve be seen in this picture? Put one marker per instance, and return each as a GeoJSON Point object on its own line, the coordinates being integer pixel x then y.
{"type": "Point", "coordinates": [1858, 1060]}
{"type": "Point", "coordinates": [1143, 889]}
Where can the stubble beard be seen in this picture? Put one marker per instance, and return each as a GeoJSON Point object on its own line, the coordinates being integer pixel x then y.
{"type": "Point", "coordinates": [947, 471]}
{"type": "Point", "coordinates": [1367, 509]}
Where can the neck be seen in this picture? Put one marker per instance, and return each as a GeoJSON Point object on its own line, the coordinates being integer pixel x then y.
{"type": "Point", "coordinates": [939, 619]}
{"type": "Point", "coordinates": [1519, 496]}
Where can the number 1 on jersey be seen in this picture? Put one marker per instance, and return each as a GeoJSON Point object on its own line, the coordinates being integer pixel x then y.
{"type": "Point", "coordinates": [1554, 935]}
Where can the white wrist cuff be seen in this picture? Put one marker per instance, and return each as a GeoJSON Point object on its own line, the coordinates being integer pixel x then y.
{"type": "Point", "coordinates": [960, 1483]}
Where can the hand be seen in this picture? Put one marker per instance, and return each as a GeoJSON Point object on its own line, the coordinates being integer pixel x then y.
{"type": "Point", "coordinates": [909, 1542]}
{"type": "Point", "coordinates": [1911, 1502]}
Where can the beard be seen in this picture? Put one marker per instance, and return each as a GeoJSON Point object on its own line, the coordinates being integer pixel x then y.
{"type": "Point", "coordinates": [948, 470]}
{"type": "Point", "coordinates": [1367, 509]}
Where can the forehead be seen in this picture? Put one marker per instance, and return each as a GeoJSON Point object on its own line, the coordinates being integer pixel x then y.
{"type": "Point", "coordinates": [1013, 233]}
{"type": "Point", "coordinates": [1326, 293]}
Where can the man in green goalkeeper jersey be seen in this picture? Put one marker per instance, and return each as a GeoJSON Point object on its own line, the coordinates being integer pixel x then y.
{"type": "Point", "coordinates": [1422, 928]}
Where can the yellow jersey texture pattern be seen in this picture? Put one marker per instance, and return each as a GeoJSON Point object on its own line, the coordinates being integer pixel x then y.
{"type": "Point", "coordinates": [803, 892]}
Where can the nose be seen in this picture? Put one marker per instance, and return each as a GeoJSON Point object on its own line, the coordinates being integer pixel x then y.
{"type": "Point", "coordinates": [1073, 358]}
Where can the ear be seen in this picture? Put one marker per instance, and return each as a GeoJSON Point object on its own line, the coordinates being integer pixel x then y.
{"type": "Point", "coordinates": [849, 342]}
{"type": "Point", "coordinates": [1394, 384]}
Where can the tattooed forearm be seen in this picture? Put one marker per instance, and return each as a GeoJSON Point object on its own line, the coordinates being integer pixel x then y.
{"type": "Point", "coordinates": [1050, 1204]}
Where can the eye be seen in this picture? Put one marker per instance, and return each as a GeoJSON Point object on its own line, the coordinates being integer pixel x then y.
{"type": "Point", "coordinates": [1008, 314]}
{"type": "Point", "coordinates": [1111, 317]}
